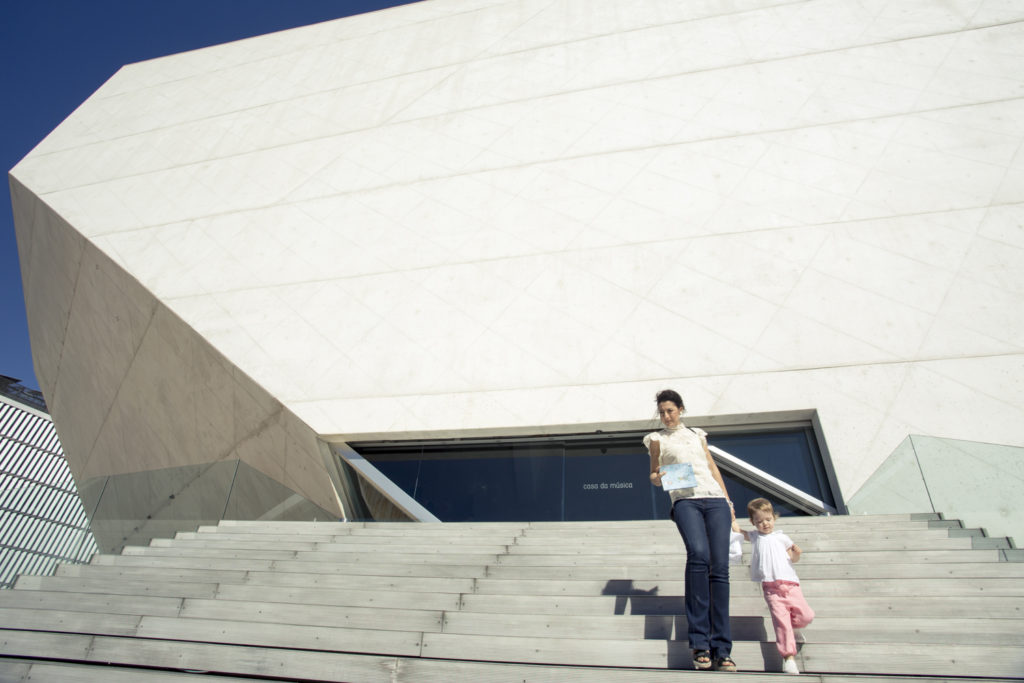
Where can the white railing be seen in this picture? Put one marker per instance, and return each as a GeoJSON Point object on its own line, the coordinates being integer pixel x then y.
{"type": "Point", "coordinates": [387, 488]}
{"type": "Point", "coordinates": [773, 485]}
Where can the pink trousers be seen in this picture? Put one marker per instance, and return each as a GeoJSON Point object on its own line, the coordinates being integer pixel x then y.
{"type": "Point", "coordinates": [789, 611]}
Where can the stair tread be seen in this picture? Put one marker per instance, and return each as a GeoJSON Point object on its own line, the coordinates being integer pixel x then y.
{"type": "Point", "coordinates": [525, 595]}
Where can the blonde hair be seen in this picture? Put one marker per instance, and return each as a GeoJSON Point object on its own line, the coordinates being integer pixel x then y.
{"type": "Point", "coordinates": [761, 505]}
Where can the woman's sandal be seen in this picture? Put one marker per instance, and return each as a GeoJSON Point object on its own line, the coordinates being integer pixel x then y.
{"type": "Point", "coordinates": [702, 659]}
{"type": "Point", "coordinates": [725, 664]}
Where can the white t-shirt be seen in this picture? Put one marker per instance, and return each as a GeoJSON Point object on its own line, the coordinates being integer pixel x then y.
{"type": "Point", "coordinates": [687, 445]}
{"type": "Point", "coordinates": [769, 560]}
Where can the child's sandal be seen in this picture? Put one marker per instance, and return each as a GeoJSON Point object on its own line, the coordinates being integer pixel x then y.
{"type": "Point", "coordinates": [725, 664]}
{"type": "Point", "coordinates": [702, 659]}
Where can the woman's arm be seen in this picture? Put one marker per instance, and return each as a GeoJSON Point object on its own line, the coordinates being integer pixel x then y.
{"type": "Point", "coordinates": [655, 449]}
{"type": "Point", "coordinates": [716, 474]}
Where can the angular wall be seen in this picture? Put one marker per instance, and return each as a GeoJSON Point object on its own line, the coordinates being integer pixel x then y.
{"type": "Point", "coordinates": [472, 214]}
{"type": "Point", "coordinates": [161, 428]}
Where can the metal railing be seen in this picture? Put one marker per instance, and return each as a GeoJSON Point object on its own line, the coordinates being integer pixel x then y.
{"type": "Point", "coordinates": [760, 479]}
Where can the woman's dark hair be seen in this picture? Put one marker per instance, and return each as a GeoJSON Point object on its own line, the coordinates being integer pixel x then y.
{"type": "Point", "coordinates": [669, 395]}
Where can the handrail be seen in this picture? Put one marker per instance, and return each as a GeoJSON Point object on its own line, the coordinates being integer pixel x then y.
{"type": "Point", "coordinates": [761, 479]}
{"type": "Point", "coordinates": [387, 488]}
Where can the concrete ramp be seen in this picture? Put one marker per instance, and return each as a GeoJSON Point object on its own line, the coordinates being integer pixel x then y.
{"type": "Point", "coordinates": [896, 596]}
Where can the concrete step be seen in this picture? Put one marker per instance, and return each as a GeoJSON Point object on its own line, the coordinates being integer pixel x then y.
{"type": "Point", "coordinates": [303, 593]}
{"type": "Point", "coordinates": [650, 571]}
{"type": "Point", "coordinates": [116, 586]}
{"type": "Point", "coordinates": [317, 607]}
{"type": "Point", "coordinates": [359, 530]}
{"type": "Point", "coordinates": [260, 526]}
{"type": "Point", "coordinates": [316, 665]}
{"type": "Point", "coordinates": [235, 571]}
{"type": "Point", "coordinates": [184, 589]}
{"type": "Point", "coordinates": [835, 557]}
{"type": "Point", "coordinates": [741, 572]}
{"type": "Point", "coordinates": [492, 530]}
{"type": "Point", "coordinates": [191, 574]}
{"type": "Point", "coordinates": [894, 596]}
{"type": "Point", "coordinates": [538, 534]}
{"type": "Point", "coordinates": [675, 546]}
{"type": "Point", "coordinates": [820, 587]}
{"type": "Point", "coordinates": [461, 527]}
{"type": "Point", "coordinates": [669, 530]}
{"type": "Point", "coordinates": [646, 653]}
{"type": "Point", "coordinates": [172, 562]}
{"type": "Point", "coordinates": [261, 554]}
{"type": "Point", "coordinates": [342, 547]}
{"type": "Point", "coordinates": [671, 556]}
{"type": "Point", "coordinates": [905, 606]}
{"type": "Point", "coordinates": [753, 628]}
{"type": "Point", "coordinates": [204, 583]}
{"type": "Point", "coordinates": [96, 603]}
{"type": "Point", "coordinates": [29, 670]}
{"type": "Point", "coordinates": [324, 666]}
{"type": "Point", "coordinates": [878, 657]}
{"type": "Point", "coordinates": [317, 556]}
{"type": "Point", "coordinates": [271, 540]}
{"type": "Point", "coordinates": [662, 542]}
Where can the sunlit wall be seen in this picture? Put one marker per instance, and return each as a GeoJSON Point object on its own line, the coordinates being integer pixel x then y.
{"type": "Point", "coordinates": [531, 215]}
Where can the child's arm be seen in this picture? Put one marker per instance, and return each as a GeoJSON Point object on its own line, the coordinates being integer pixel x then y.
{"type": "Point", "coordinates": [794, 553]}
{"type": "Point", "coordinates": [737, 529]}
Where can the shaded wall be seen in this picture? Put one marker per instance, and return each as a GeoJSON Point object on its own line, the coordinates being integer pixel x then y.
{"type": "Point", "coordinates": [160, 430]}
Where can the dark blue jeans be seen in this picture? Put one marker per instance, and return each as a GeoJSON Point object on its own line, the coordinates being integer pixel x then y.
{"type": "Point", "coordinates": [704, 524]}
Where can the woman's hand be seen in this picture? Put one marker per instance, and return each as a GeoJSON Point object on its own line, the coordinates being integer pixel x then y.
{"type": "Point", "coordinates": [656, 478]}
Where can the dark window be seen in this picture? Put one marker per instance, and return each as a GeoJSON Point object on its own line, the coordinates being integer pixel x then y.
{"type": "Point", "coordinates": [792, 455]}
{"type": "Point", "coordinates": [588, 477]}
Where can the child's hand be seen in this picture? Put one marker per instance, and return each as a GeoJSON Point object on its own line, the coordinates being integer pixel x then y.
{"type": "Point", "coordinates": [794, 553]}
{"type": "Point", "coordinates": [737, 529]}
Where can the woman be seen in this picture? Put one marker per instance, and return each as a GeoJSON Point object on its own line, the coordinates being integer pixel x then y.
{"type": "Point", "coordinates": [703, 514]}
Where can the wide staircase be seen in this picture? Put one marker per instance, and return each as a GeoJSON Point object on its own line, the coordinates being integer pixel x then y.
{"type": "Point", "coordinates": [897, 596]}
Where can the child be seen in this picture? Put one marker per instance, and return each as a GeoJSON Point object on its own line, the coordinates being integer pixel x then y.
{"type": "Point", "coordinates": [772, 564]}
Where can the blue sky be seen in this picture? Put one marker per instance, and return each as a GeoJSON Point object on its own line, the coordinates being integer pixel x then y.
{"type": "Point", "coordinates": [55, 53]}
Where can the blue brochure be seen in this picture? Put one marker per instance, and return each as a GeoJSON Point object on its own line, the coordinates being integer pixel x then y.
{"type": "Point", "coordinates": [677, 476]}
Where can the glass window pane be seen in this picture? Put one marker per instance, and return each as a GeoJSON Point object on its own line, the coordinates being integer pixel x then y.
{"type": "Point", "coordinates": [741, 493]}
{"type": "Point", "coordinates": [486, 483]}
{"type": "Point", "coordinates": [604, 477]}
{"type": "Point", "coordinates": [400, 465]}
{"type": "Point", "coordinates": [784, 454]}
{"type": "Point", "coordinates": [607, 483]}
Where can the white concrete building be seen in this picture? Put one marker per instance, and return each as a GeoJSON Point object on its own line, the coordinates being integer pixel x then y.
{"type": "Point", "coordinates": [494, 217]}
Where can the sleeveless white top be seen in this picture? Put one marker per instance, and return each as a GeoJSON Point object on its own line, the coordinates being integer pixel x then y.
{"type": "Point", "coordinates": [686, 445]}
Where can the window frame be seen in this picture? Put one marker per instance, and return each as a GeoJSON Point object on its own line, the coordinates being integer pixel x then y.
{"type": "Point", "coordinates": [349, 454]}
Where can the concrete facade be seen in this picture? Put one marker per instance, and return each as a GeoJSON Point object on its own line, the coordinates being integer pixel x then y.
{"type": "Point", "coordinates": [531, 215]}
